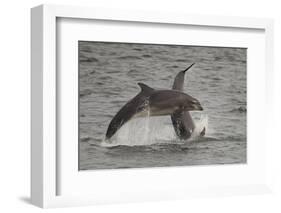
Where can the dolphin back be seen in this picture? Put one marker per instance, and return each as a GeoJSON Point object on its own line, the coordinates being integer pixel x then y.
{"type": "Point", "coordinates": [179, 81]}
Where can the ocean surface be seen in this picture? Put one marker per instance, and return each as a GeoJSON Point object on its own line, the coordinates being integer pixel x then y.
{"type": "Point", "coordinates": [108, 77]}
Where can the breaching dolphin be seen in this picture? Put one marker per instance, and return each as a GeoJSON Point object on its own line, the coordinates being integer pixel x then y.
{"type": "Point", "coordinates": [156, 102]}
{"type": "Point", "coordinates": [182, 120]}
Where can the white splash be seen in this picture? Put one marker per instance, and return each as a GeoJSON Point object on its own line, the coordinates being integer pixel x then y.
{"type": "Point", "coordinates": [199, 126]}
{"type": "Point", "coordinates": [151, 130]}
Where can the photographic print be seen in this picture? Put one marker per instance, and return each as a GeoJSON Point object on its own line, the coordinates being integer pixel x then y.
{"type": "Point", "coordinates": [161, 105]}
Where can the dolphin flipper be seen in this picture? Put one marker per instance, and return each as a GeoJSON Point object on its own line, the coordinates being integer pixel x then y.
{"type": "Point", "coordinates": [182, 121]}
{"type": "Point", "coordinates": [131, 108]}
{"type": "Point", "coordinates": [179, 125]}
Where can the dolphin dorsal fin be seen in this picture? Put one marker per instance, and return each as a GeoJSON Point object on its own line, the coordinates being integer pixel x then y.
{"type": "Point", "coordinates": [188, 67]}
{"type": "Point", "coordinates": [179, 79]}
{"type": "Point", "coordinates": [145, 88]}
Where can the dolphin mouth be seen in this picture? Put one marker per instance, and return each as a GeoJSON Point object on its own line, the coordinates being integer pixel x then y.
{"type": "Point", "coordinates": [198, 107]}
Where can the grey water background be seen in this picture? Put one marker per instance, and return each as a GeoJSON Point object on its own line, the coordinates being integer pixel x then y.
{"type": "Point", "coordinates": [108, 76]}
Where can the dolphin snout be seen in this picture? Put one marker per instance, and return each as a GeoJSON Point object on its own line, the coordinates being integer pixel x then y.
{"type": "Point", "coordinates": [197, 106]}
{"type": "Point", "coordinates": [200, 107]}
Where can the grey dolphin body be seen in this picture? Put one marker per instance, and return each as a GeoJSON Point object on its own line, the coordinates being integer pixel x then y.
{"type": "Point", "coordinates": [182, 120]}
{"type": "Point", "coordinates": [157, 102]}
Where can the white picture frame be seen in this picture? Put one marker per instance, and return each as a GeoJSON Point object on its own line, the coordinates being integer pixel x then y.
{"type": "Point", "coordinates": [45, 168]}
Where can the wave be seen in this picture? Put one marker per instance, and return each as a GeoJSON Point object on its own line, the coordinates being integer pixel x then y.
{"type": "Point", "coordinates": [138, 49]}
{"type": "Point", "coordinates": [241, 109]}
{"type": "Point", "coordinates": [178, 146]}
{"type": "Point", "coordinates": [129, 57]}
{"type": "Point", "coordinates": [86, 49]}
{"type": "Point", "coordinates": [85, 139]}
{"type": "Point", "coordinates": [146, 56]}
{"type": "Point", "coordinates": [88, 59]}
{"type": "Point", "coordinates": [85, 92]}
{"type": "Point", "coordinates": [181, 60]}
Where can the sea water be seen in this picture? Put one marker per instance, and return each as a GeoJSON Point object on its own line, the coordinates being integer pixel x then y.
{"type": "Point", "coordinates": [108, 77]}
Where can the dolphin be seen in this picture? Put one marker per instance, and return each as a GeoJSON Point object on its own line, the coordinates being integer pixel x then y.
{"type": "Point", "coordinates": [182, 120]}
{"type": "Point", "coordinates": [156, 102]}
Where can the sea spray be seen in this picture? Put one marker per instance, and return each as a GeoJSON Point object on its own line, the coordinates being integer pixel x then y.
{"type": "Point", "coordinates": [149, 130]}
{"type": "Point", "coordinates": [199, 126]}
{"type": "Point", "coordinates": [143, 131]}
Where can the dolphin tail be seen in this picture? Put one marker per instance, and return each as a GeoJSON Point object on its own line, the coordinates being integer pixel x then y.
{"type": "Point", "coordinates": [122, 117]}
{"type": "Point", "coordinates": [188, 67]}
{"type": "Point", "coordinates": [129, 110]}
